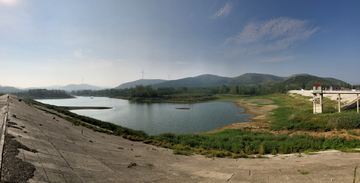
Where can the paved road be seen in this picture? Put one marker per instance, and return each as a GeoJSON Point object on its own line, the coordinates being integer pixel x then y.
{"type": "Point", "coordinates": [67, 155]}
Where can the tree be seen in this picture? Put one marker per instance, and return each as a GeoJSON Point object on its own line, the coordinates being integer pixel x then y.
{"type": "Point", "coordinates": [234, 90]}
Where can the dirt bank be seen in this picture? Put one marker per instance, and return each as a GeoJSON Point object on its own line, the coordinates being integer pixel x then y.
{"type": "Point", "coordinates": [261, 114]}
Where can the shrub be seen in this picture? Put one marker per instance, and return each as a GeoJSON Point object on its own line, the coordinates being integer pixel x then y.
{"type": "Point", "coordinates": [351, 132]}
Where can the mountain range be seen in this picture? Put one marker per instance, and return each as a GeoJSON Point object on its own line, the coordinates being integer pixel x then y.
{"type": "Point", "coordinates": [248, 79]}
{"type": "Point", "coordinates": [69, 88]}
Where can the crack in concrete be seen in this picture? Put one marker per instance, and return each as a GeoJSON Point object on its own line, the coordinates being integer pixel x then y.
{"type": "Point", "coordinates": [230, 178]}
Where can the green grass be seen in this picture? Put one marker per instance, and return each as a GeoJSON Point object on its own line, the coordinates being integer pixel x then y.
{"type": "Point", "coordinates": [149, 164]}
{"type": "Point", "coordinates": [295, 113]}
{"type": "Point", "coordinates": [304, 172]}
{"type": "Point", "coordinates": [231, 141]}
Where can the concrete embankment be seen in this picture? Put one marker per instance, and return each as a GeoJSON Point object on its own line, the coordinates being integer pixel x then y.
{"type": "Point", "coordinates": [62, 152]}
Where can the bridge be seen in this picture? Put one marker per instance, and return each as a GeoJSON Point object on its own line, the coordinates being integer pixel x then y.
{"type": "Point", "coordinates": [318, 108]}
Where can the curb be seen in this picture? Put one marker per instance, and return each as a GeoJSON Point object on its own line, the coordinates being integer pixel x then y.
{"type": "Point", "coordinates": [3, 131]}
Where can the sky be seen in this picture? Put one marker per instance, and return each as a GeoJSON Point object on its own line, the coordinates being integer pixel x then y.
{"type": "Point", "coordinates": [110, 42]}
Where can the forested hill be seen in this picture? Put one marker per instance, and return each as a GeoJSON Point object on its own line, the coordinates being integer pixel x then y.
{"type": "Point", "coordinates": [143, 82]}
{"type": "Point", "coordinates": [245, 80]}
{"type": "Point", "coordinates": [8, 89]}
{"type": "Point", "coordinates": [43, 94]}
{"type": "Point", "coordinates": [249, 79]}
{"type": "Point", "coordinates": [202, 80]}
{"type": "Point", "coordinates": [306, 82]}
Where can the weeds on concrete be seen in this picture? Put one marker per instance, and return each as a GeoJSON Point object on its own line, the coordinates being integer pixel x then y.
{"type": "Point", "coordinates": [303, 172]}
{"type": "Point", "coordinates": [131, 164]}
{"type": "Point", "coordinates": [149, 164]}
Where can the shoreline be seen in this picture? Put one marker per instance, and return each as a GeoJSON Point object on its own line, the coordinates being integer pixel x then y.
{"type": "Point", "coordinates": [260, 116]}
{"type": "Point", "coordinates": [83, 107]}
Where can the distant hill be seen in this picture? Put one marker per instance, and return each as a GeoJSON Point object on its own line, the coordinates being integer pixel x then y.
{"type": "Point", "coordinates": [143, 82]}
{"type": "Point", "coordinates": [294, 75]}
{"type": "Point", "coordinates": [254, 79]}
{"type": "Point", "coordinates": [75, 87]}
{"type": "Point", "coordinates": [335, 81]}
{"type": "Point", "coordinates": [69, 87]}
{"type": "Point", "coordinates": [332, 80]}
{"type": "Point", "coordinates": [202, 80]}
{"type": "Point", "coordinates": [248, 79]}
{"type": "Point", "coordinates": [307, 81]}
{"type": "Point", "coordinates": [9, 89]}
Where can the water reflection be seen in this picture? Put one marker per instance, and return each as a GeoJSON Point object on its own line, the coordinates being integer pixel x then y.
{"type": "Point", "coordinates": [156, 118]}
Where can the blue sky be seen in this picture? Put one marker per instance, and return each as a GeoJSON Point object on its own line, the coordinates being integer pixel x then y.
{"type": "Point", "coordinates": [110, 42]}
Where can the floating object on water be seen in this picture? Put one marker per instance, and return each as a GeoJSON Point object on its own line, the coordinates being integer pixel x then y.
{"type": "Point", "coordinates": [183, 108]}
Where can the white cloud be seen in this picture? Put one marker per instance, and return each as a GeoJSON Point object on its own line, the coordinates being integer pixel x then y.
{"type": "Point", "coordinates": [9, 2]}
{"type": "Point", "coordinates": [277, 59]}
{"type": "Point", "coordinates": [273, 35]}
{"type": "Point", "coordinates": [78, 54]}
{"type": "Point", "coordinates": [224, 11]}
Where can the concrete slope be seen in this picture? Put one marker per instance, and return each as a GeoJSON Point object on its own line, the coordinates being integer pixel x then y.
{"type": "Point", "coordinates": [350, 105]}
{"type": "Point", "coordinates": [68, 153]}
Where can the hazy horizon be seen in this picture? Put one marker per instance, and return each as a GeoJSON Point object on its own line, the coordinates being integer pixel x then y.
{"type": "Point", "coordinates": [107, 43]}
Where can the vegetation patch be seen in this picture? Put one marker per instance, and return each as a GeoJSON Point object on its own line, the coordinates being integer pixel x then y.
{"type": "Point", "coordinates": [303, 172]}
{"type": "Point", "coordinates": [131, 165]}
{"type": "Point", "coordinates": [295, 113]}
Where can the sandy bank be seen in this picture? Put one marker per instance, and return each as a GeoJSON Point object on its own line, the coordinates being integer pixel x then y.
{"type": "Point", "coordinates": [261, 114]}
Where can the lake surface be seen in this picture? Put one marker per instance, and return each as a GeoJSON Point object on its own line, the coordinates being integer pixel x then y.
{"type": "Point", "coordinates": [157, 118]}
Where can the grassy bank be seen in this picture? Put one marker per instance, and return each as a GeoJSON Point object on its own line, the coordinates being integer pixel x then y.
{"type": "Point", "coordinates": [295, 112]}
{"type": "Point", "coordinates": [234, 142]}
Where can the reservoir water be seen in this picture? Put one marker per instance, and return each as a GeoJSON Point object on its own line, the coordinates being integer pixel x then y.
{"type": "Point", "coordinates": [157, 118]}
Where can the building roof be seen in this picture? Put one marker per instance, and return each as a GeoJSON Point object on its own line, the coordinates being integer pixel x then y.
{"type": "Point", "coordinates": [317, 84]}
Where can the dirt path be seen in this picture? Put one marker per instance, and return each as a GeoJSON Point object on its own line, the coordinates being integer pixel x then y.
{"type": "Point", "coordinates": [68, 153]}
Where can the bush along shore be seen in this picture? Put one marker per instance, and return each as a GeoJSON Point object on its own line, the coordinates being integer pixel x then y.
{"type": "Point", "coordinates": [294, 113]}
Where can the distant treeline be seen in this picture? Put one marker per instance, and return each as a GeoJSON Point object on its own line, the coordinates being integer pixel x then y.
{"type": "Point", "coordinates": [166, 92]}
{"type": "Point", "coordinates": [43, 94]}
